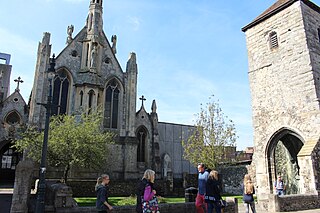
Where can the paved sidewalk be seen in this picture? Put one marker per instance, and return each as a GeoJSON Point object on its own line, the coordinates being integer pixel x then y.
{"type": "Point", "coordinates": [241, 209]}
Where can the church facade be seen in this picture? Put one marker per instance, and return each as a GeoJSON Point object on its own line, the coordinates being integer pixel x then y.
{"type": "Point", "coordinates": [88, 77]}
{"type": "Point", "coordinates": [13, 117]}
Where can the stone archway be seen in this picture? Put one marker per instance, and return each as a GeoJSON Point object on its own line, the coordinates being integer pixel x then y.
{"type": "Point", "coordinates": [282, 155]}
{"type": "Point", "coordinates": [9, 160]}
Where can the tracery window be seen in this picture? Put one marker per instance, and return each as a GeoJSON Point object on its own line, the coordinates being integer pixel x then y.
{"type": "Point", "coordinates": [61, 86]}
{"type": "Point", "coordinates": [13, 118]}
{"type": "Point", "coordinates": [141, 136]}
{"type": "Point", "coordinates": [111, 110]}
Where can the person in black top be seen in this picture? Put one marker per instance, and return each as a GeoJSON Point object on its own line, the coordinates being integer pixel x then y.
{"type": "Point", "coordinates": [140, 191]}
{"type": "Point", "coordinates": [248, 191]}
{"type": "Point", "coordinates": [102, 204]}
{"type": "Point", "coordinates": [212, 196]}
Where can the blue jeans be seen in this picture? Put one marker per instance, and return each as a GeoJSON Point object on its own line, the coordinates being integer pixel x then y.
{"type": "Point", "coordinates": [280, 192]}
{"type": "Point", "coordinates": [215, 206]}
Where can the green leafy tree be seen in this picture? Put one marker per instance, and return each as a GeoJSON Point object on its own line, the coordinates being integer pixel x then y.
{"type": "Point", "coordinates": [213, 139]}
{"type": "Point", "coordinates": [73, 140]}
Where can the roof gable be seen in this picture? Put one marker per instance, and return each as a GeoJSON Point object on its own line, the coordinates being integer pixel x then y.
{"type": "Point", "coordinates": [275, 8]}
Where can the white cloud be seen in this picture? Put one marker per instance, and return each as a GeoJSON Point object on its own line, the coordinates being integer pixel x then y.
{"type": "Point", "coordinates": [15, 43]}
{"type": "Point", "coordinates": [135, 22]}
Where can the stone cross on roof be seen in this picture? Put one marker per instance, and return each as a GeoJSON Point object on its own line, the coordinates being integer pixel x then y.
{"type": "Point", "coordinates": [142, 99]}
{"type": "Point", "coordinates": [18, 80]}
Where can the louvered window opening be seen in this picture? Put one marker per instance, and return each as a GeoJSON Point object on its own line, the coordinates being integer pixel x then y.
{"type": "Point", "coordinates": [273, 40]}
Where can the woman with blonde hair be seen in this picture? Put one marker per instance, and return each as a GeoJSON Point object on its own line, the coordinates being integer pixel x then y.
{"type": "Point", "coordinates": [248, 191]}
{"type": "Point", "coordinates": [102, 204]}
{"type": "Point", "coordinates": [212, 196]}
{"type": "Point", "coordinates": [146, 196]}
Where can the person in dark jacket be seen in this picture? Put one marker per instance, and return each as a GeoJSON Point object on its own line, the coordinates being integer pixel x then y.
{"type": "Point", "coordinates": [212, 196]}
{"type": "Point", "coordinates": [140, 191]}
{"type": "Point", "coordinates": [248, 191]}
{"type": "Point", "coordinates": [146, 194]}
{"type": "Point", "coordinates": [101, 188]}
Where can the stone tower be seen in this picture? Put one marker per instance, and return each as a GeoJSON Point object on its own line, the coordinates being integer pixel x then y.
{"type": "Point", "coordinates": [5, 72]}
{"type": "Point", "coordinates": [283, 46]}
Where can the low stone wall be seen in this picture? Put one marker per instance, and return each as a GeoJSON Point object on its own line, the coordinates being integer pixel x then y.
{"type": "Point", "coordinates": [296, 202]}
{"type": "Point", "coordinates": [164, 208]}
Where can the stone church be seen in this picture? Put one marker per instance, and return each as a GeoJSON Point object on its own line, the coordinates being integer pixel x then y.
{"type": "Point", "coordinates": [283, 46]}
{"type": "Point", "coordinates": [88, 76]}
{"type": "Point", "coordinates": [13, 117]}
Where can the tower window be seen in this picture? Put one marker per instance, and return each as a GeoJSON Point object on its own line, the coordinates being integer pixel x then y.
{"type": "Point", "coordinates": [111, 109]}
{"type": "Point", "coordinates": [273, 39]}
{"type": "Point", "coordinates": [319, 34]}
{"type": "Point", "coordinates": [60, 93]}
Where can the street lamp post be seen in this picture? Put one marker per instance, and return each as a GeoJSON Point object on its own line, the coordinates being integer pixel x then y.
{"type": "Point", "coordinates": [42, 181]}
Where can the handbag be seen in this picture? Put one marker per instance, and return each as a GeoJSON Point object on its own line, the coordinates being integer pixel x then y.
{"type": "Point", "coordinates": [223, 203]}
{"type": "Point", "coordinates": [150, 205]}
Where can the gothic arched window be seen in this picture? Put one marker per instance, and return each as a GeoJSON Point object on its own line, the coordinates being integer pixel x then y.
{"type": "Point", "coordinates": [13, 118]}
{"type": "Point", "coordinates": [142, 137]}
{"type": "Point", "coordinates": [81, 98]}
{"type": "Point", "coordinates": [61, 86]}
{"type": "Point", "coordinates": [273, 39]}
{"type": "Point", "coordinates": [90, 103]}
{"type": "Point", "coordinates": [111, 109]}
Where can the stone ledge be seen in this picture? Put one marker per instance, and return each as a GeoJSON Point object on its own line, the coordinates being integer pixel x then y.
{"type": "Point", "coordinates": [164, 208]}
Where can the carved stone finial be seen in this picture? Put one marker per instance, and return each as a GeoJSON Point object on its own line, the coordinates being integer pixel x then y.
{"type": "Point", "coordinates": [154, 106]}
{"type": "Point", "coordinates": [114, 43]}
{"type": "Point", "coordinates": [69, 32]}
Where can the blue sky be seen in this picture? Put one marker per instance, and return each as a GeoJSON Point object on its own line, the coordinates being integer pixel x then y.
{"type": "Point", "coordinates": [186, 50]}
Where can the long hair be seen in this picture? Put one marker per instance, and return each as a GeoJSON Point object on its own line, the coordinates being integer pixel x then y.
{"type": "Point", "coordinates": [213, 175]}
{"type": "Point", "coordinates": [100, 179]}
{"type": "Point", "coordinates": [149, 175]}
{"type": "Point", "coordinates": [248, 185]}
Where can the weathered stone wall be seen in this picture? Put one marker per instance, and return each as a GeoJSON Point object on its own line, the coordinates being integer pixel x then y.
{"type": "Point", "coordinates": [121, 188]}
{"type": "Point", "coordinates": [282, 83]}
{"type": "Point", "coordinates": [296, 202]}
{"type": "Point", "coordinates": [232, 178]}
{"type": "Point", "coordinates": [316, 165]}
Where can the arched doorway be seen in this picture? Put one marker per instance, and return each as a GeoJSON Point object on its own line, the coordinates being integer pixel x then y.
{"type": "Point", "coordinates": [282, 152]}
{"type": "Point", "coordinates": [9, 160]}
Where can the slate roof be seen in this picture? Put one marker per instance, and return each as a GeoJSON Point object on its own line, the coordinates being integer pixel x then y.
{"type": "Point", "coordinates": [275, 8]}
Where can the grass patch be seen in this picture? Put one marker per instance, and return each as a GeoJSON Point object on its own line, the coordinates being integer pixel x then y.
{"type": "Point", "coordinates": [131, 201]}
{"type": "Point", "coordinates": [124, 201]}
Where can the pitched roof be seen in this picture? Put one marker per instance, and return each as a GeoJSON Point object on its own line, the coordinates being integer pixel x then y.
{"type": "Point", "coordinates": [275, 8]}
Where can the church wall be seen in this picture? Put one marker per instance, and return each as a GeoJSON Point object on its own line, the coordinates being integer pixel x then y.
{"type": "Point", "coordinates": [312, 29]}
{"type": "Point", "coordinates": [281, 83]}
{"type": "Point", "coordinates": [170, 137]}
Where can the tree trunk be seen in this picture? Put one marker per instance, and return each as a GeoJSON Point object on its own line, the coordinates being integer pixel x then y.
{"type": "Point", "coordinates": [65, 173]}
